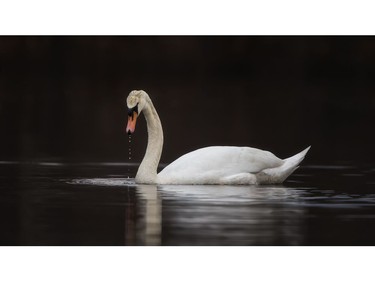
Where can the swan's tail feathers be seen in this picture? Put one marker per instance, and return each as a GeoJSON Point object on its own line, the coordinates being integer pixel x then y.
{"type": "Point", "coordinates": [296, 159]}
{"type": "Point", "coordinates": [279, 174]}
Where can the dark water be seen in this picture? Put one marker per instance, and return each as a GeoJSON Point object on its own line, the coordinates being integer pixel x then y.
{"type": "Point", "coordinates": [96, 204]}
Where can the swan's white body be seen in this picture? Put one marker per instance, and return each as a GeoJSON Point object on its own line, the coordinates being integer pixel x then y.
{"type": "Point", "coordinates": [209, 165]}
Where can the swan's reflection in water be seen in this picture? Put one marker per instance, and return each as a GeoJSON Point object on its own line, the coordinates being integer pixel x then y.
{"type": "Point", "coordinates": [213, 215]}
{"type": "Point", "coordinates": [150, 224]}
{"type": "Point", "coordinates": [219, 215]}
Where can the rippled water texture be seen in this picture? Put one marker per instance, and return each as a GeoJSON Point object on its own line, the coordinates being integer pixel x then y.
{"type": "Point", "coordinates": [98, 204]}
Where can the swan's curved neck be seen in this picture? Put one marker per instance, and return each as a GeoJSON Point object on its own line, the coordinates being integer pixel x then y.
{"type": "Point", "coordinates": [147, 171]}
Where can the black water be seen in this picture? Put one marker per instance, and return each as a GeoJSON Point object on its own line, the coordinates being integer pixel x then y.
{"type": "Point", "coordinates": [97, 204]}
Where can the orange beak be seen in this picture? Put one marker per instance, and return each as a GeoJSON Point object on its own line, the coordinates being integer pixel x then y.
{"type": "Point", "coordinates": [132, 120]}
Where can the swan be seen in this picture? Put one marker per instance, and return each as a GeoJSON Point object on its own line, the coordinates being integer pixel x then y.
{"type": "Point", "coordinates": [216, 165]}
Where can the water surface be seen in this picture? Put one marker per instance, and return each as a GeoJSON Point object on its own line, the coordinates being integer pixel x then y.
{"type": "Point", "coordinates": [51, 203]}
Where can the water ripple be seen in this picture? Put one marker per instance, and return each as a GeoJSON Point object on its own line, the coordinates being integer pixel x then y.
{"type": "Point", "coordinates": [104, 181]}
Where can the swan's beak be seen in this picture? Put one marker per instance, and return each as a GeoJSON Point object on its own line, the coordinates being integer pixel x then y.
{"type": "Point", "coordinates": [132, 119]}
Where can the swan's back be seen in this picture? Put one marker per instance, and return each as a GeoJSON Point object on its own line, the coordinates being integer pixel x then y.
{"type": "Point", "coordinates": [211, 164]}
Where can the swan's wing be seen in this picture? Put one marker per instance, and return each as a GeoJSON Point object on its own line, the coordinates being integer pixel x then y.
{"type": "Point", "coordinates": [219, 161]}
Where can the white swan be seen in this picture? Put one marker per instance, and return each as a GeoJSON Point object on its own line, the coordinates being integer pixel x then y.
{"type": "Point", "coordinates": [209, 165]}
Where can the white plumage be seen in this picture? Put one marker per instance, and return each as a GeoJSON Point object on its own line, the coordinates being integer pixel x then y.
{"type": "Point", "coordinates": [209, 165]}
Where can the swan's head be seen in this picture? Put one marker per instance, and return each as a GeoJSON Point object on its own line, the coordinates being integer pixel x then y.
{"type": "Point", "coordinates": [135, 102]}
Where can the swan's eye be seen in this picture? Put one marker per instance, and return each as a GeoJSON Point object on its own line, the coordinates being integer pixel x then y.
{"type": "Point", "coordinates": [132, 110]}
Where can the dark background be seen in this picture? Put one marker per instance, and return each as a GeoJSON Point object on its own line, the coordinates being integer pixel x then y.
{"type": "Point", "coordinates": [63, 98]}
